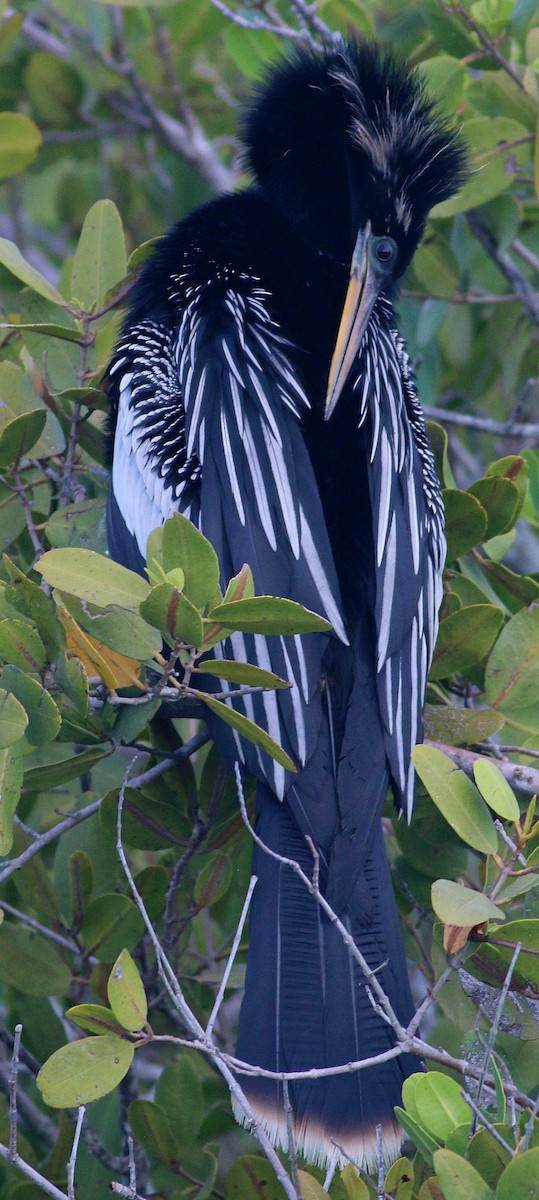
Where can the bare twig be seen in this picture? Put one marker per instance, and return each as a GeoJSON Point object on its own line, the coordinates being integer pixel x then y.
{"type": "Point", "coordinates": [292, 1144]}
{"type": "Point", "coordinates": [47, 837]}
{"type": "Point", "coordinates": [44, 1184]}
{"type": "Point", "coordinates": [181, 1006]}
{"type": "Point", "coordinates": [495, 1026]}
{"type": "Point", "coordinates": [486, 42]}
{"type": "Point", "coordinates": [231, 957]}
{"type": "Point", "coordinates": [13, 1076]}
{"type": "Point", "coordinates": [478, 1115]}
{"type": "Point", "coordinates": [72, 1160]}
{"type": "Point", "coordinates": [507, 429]}
{"type": "Point", "coordinates": [523, 290]}
{"type": "Point", "coordinates": [525, 778]}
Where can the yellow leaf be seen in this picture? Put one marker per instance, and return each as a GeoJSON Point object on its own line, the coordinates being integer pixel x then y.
{"type": "Point", "coordinates": [114, 669]}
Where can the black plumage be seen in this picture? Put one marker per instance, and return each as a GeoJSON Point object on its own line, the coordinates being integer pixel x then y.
{"type": "Point", "coordinates": [261, 388]}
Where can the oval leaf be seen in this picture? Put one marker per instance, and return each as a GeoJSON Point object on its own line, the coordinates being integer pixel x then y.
{"type": "Point", "coordinates": [512, 674]}
{"type": "Point", "coordinates": [20, 140]}
{"type": "Point", "coordinates": [248, 730]}
{"type": "Point", "coordinates": [268, 614]}
{"type": "Point", "coordinates": [495, 790]}
{"type": "Point", "coordinates": [11, 257]}
{"type": "Point", "coordinates": [458, 1178]}
{"type": "Point", "coordinates": [93, 577]}
{"type": "Point", "coordinates": [456, 797]}
{"type": "Point", "coordinates": [520, 1180]}
{"type": "Point", "coordinates": [184, 546]}
{"type": "Point", "coordinates": [466, 522]}
{"type": "Point", "coordinates": [13, 719]}
{"type": "Point", "coordinates": [238, 672]}
{"type": "Point", "coordinates": [126, 993]}
{"type": "Point", "coordinates": [455, 904]}
{"type": "Point", "coordinates": [11, 779]}
{"type": "Point", "coordinates": [100, 259]}
{"type": "Point", "coordinates": [465, 638]}
{"type": "Point", "coordinates": [84, 1071]}
{"type": "Point", "coordinates": [173, 614]}
{"type": "Point", "coordinates": [95, 1018]}
{"type": "Point", "coordinates": [439, 1104]}
{"type": "Point", "coordinates": [44, 720]}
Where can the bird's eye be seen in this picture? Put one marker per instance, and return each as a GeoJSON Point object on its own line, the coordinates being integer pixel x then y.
{"type": "Point", "coordinates": [385, 250]}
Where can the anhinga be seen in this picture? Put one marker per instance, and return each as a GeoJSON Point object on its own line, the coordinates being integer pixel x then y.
{"type": "Point", "coordinates": [262, 389]}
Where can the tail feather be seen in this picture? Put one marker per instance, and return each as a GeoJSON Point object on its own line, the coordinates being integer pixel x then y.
{"type": "Point", "coordinates": [306, 1004]}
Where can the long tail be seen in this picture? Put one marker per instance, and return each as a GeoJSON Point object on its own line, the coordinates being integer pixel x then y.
{"type": "Point", "coordinates": [306, 1004]}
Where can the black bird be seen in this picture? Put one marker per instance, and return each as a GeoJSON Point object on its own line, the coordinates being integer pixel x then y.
{"type": "Point", "coordinates": [262, 389]}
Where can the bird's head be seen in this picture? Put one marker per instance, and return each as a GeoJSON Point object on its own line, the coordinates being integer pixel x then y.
{"type": "Point", "coordinates": [348, 147]}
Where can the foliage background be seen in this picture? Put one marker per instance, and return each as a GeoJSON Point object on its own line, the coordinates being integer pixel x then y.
{"type": "Point", "coordinates": [137, 104]}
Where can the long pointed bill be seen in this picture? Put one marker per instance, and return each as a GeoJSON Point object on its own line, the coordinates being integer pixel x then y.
{"type": "Point", "coordinates": [359, 302]}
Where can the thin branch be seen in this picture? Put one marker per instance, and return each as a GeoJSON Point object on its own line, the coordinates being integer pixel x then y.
{"type": "Point", "coordinates": [51, 934]}
{"type": "Point", "coordinates": [44, 1184]}
{"type": "Point", "coordinates": [13, 1076]}
{"type": "Point", "coordinates": [525, 778]}
{"type": "Point", "coordinates": [370, 975]}
{"type": "Point", "coordinates": [292, 1144]}
{"type": "Point", "coordinates": [495, 1026]}
{"type": "Point", "coordinates": [46, 838]}
{"type": "Point", "coordinates": [486, 42]}
{"type": "Point", "coordinates": [231, 957]}
{"type": "Point", "coordinates": [522, 288]}
{"type": "Point", "coordinates": [191, 1022]}
{"type": "Point", "coordinates": [480, 1116]}
{"type": "Point", "coordinates": [72, 1160]}
{"type": "Point", "coordinates": [507, 429]}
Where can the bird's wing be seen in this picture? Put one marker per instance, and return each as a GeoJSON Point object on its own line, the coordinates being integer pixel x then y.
{"type": "Point", "coordinates": [409, 548]}
{"type": "Point", "coordinates": [208, 425]}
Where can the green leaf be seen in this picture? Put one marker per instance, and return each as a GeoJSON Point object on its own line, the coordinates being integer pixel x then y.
{"type": "Point", "coordinates": [268, 615]}
{"type": "Point", "coordinates": [520, 1179]}
{"type": "Point", "coordinates": [512, 674]}
{"type": "Point", "coordinates": [465, 522]}
{"type": "Point", "coordinates": [527, 932]}
{"type": "Point", "coordinates": [454, 726]}
{"type": "Point", "coordinates": [179, 1091]}
{"type": "Point", "coordinates": [54, 774]}
{"type": "Point", "coordinates": [483, 1152]}
{"type": "Point", "coordinates": [81, 879]}
{"type": "Point", "coordinates": [458, 1179]}
{"type": "Point", "coordinates": [248, 729]}
{"type": "Point", "coordinates": [152, 1128]}
{"type": "Point", "coordinates": [84, 1071]}
{"type": "Point", "coordinates": [185, 547]}
{"type": "Point", "coordinates": [111, 923]}
{"type": "Point", "coordinates": [399, 1181]}
{"type": "Point", "coordinates": [213, 881]}
{"type": "Point", "coordinates": [457, 798]}
{"type": "Point", "coordinates": [21, 645]}
{"type": "Point", "coordinates": [354, 1186]}
{"type": "Point", "coordinates": [465, 638]}
{"type": "Point", "coordinates": [500, 500]}
{"type": "Point", "coordinates": [311, 1189]}
{"type": "Point", "coordinates": [238, 672]}
{"type": "Point", "coordinates": [455, 904]}
{"type": "Point", "coordinates": [93, 577]}
{"type": "Point", "coordinates": [436, 267]}
{"type": "Point", "coordinates": [11, 769]}
{"type": "Point", "coordinates": [19, 435]}
{"type": "Point", "coordinates": [424, 1141]}
{"type": "Point", "coordinates": [493, 165]}
{"type": "Point", "coordinates": [13, 719]}
{"type": "Point", "coordinates": [11, 257]}
{"type": "Point", "coordinates": [173, 614]}
{"type": "Point", "coordinates": [30, 963]}
{"type": "Point", "coordinates": [72, 679]}
{"type": "Point", "coordinates": [30, 600]}
{"type": "Point", "coordinates": [95, 1018]}
{"type": "Point", "coordinates": [493, 15]}
{"type": "Point", "coordinates": [81, 524]}
{"type": "Point", "coordinates": [122, 629]}
{"type": "Point", "coordinates": [20, 140]}
{"type": "Point", "coordinates": [439, 1104]}
{"type": "Point", "coordinates": [126, 993]}
{"type": "Point", "coordinates": [251, 1177]}
{"type": "Point", "coordinates": [495, 790]}
{"type": "Point", "coordinates": [444, 79]}
{"type": "Point", "coordinates": [147, 823]}
{"type": "Point", "coordinates": [100, 259]}
{"type": "Point", "coordinates": [55, 89]}
{"type": "Point", "coordinates": [44, 720]}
